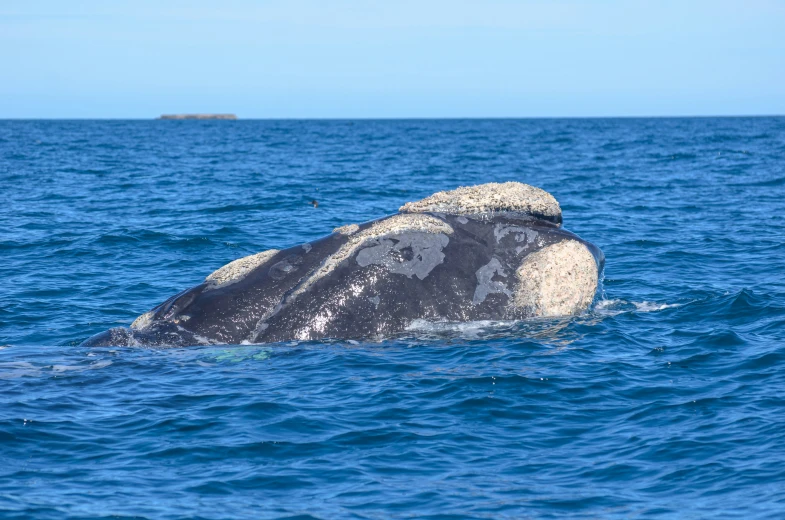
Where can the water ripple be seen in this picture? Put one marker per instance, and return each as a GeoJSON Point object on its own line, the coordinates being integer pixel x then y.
{"type": "Point", "coordinates": [664, 400]}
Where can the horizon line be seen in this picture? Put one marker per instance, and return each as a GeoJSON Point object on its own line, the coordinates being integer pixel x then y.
{"type": "Point", "coordinates": [384, 118]}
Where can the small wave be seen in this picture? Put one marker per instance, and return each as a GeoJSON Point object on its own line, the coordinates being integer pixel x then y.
{"type": "Point", "coordinates": [17, 369]}
{"type": "Point", "coordinates": [780, 181]}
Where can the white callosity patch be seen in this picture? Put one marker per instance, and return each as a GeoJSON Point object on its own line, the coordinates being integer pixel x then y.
{"type": "Point", "coordinates": [485, 283]}
{"type": "Point", "coordinates": [522, 234]}
{"type": "Point", "coordinates": [200, 340]}
{"type": "Point", "coordinates": [235, 271]}
{"type": "Point", "coordinates": [424, 253]}
{"type": "Point", "coordinates": [488, 198]}
{"type": "Point", "coordinates": [348, 229]}
{"type": "Point", "coordinates": [395, 225]}
{"type": "Point", "coordinates": [281, 269]}
{"type": "Point", "coordinates": [261, 325]}
{"type": "Point", "coordinates": [143, 321]}
{"type": "Point", "coordinates": [558, 280]}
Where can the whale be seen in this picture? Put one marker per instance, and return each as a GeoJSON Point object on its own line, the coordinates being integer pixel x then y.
{"type": "Point", "coordinates": [493, 251]}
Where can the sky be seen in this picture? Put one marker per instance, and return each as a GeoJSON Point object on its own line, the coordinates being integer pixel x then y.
{"type": "Point", "coordinates": [391, 59]}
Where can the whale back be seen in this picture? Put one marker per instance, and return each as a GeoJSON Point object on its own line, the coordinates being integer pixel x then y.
{"type": "Point", "coordinates": [489, 252]}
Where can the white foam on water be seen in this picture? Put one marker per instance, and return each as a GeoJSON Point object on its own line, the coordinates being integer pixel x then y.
{"type": "Point", "coordinates": [81, 368]}
{"type": "Point", "coordinates": [651, 307]}
{"type": "Point", "coordinates": [465, 328]}
{"type": "Point", "coordinates": [614, 307]}
{"type": "Point", "coordinates": [545, 330]}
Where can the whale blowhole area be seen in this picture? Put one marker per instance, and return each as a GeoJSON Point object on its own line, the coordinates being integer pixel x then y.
{"type": "Point", "coordinates": [488, 199]}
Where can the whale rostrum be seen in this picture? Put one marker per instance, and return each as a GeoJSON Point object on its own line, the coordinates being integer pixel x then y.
{"type": "Point", "coordinates": [487, 252]}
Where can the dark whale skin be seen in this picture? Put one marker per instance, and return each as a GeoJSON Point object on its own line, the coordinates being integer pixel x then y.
{"type": "Point", "coordinates": [377, 291]}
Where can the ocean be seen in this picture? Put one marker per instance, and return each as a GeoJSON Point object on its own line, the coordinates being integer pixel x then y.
{"type": "Point", "coordinates": [665, 400]}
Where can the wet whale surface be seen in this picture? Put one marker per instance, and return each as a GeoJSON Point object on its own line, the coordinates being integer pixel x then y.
{"type": "Point", "coordinates": [374, 280]}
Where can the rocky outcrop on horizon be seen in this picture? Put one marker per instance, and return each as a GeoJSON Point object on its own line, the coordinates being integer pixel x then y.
{"type": "Point", "coordinates": [198, 116]}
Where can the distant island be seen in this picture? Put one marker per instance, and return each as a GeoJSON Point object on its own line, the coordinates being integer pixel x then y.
{"type": "Point", "coordinates": [198, 116]}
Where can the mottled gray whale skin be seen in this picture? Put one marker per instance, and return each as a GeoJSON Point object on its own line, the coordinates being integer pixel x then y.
{"type": "Point", "coordinates": [470, 260]}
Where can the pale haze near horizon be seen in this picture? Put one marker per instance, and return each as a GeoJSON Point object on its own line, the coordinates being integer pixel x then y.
{"type": "Point", "coordinates": [358, 59]}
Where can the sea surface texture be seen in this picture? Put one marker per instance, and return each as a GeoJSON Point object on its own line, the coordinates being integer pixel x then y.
{"type": "Point", "coordinates": [665, 400]}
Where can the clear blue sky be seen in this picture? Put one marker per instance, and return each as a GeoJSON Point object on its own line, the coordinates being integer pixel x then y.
{"type": "Point", "coordinates": [419, 58]}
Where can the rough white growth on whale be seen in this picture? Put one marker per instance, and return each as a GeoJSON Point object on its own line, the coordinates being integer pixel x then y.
{"type": "Point", "coordinates": [558, 280]}
{"type": "Point", "coordinates": [143, 321]}
{"type": "Point", "coordinates": [348, 229]}
{"type": "Point", "coordinates": [237, 270]}
{"type": "Point", "coordinates": [493, 197]}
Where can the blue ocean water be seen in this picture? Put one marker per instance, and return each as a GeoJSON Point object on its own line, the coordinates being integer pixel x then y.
{"type": "Point", "coordinates": [666, 400]}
